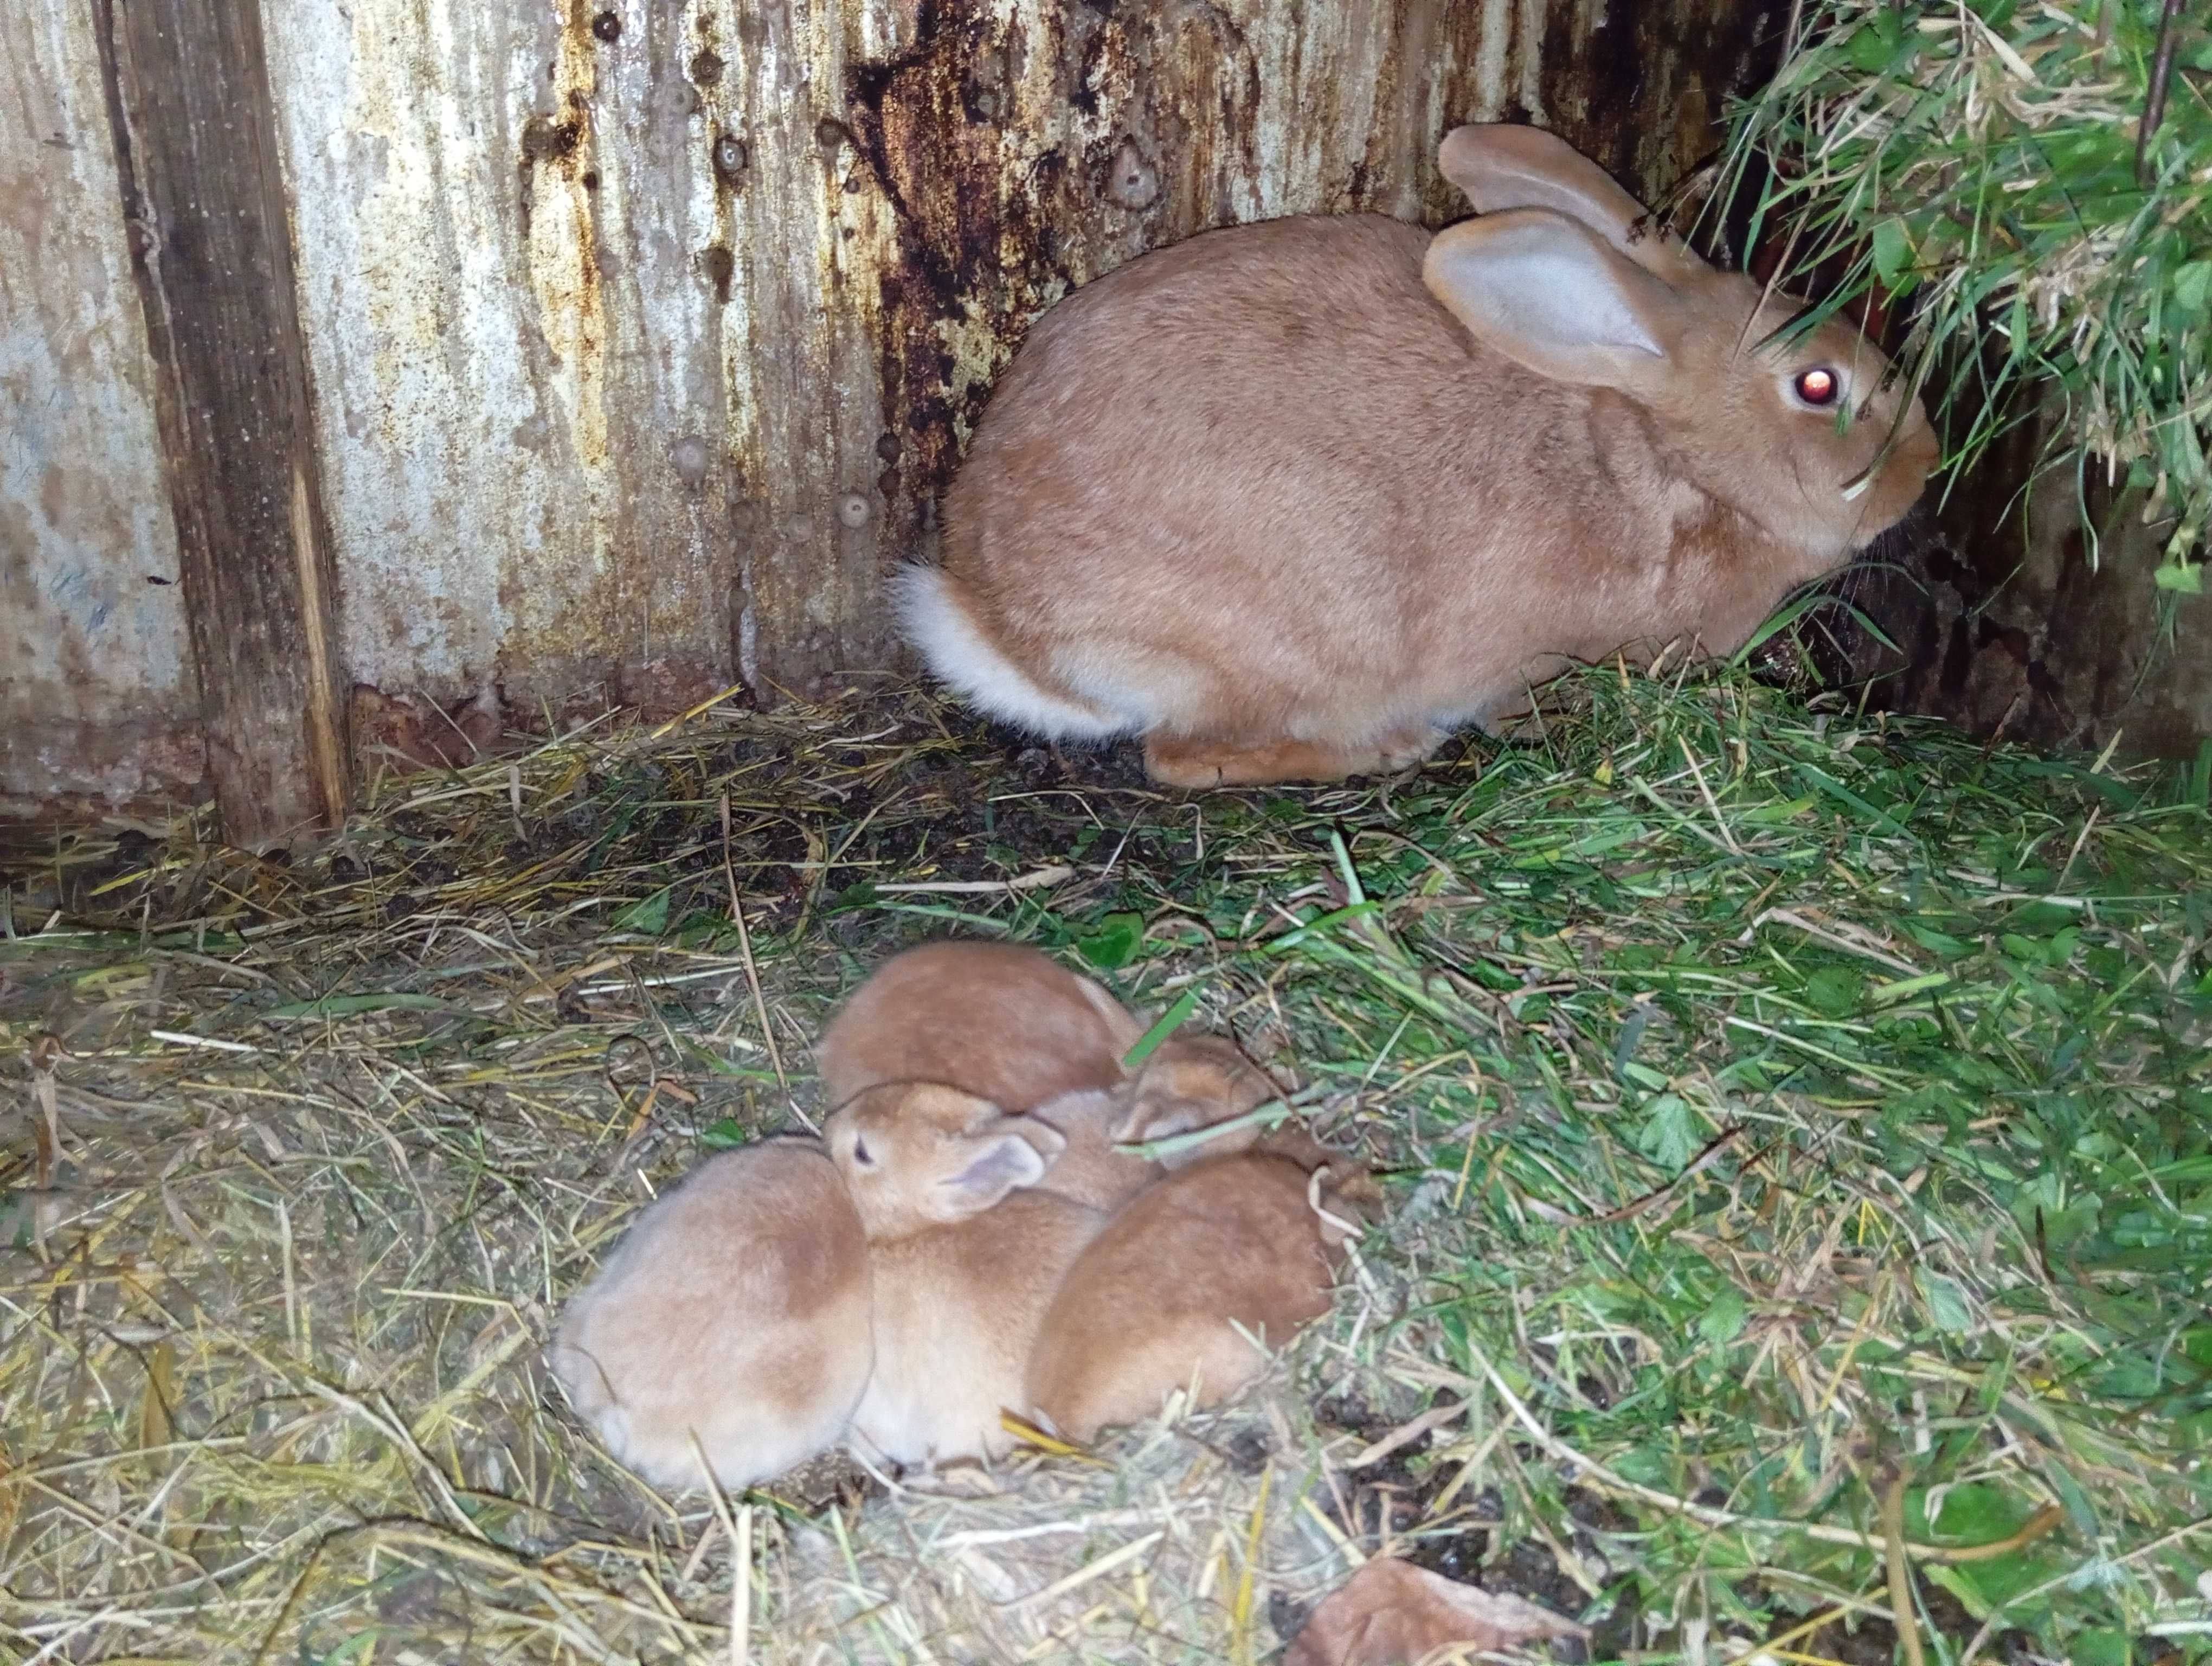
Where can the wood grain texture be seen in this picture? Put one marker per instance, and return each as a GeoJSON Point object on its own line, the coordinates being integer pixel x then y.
{"type": "Point", "coordinates": [202, 194]}
{"type": "Point", "coordinates": [97, 695]}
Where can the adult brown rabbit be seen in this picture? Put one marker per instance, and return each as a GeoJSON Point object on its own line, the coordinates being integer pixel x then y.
{"type": "Point", "coordinates": [1293, 500]}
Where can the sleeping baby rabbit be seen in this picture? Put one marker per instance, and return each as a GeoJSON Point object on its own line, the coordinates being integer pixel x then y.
{"type": "Point", "coordinates": [1293, 500]}
{"type": "Point", "coordinates": [1174, 1294]}
{"type": "Point", "coordinates": [736, 1309]}
{"type": "Point", "coordinates": [964, 1252]}
{"type": "Point", "coordinates": [1010, 1026]}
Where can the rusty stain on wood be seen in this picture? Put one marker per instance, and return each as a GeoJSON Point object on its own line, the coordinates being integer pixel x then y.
{"type": "Point", "coordinates": [501, 216]}
{"type": "Point", "coordinates": [96, 690]}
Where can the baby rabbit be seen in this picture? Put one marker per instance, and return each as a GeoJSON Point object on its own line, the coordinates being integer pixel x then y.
{"type": "Point", "coordinates": [737, 1308]}
{"type": "Point", "coordinates": [1188, 1083]}
{"type": "Point", "coordinates": [1295, 499]}
{"type": "Point", "coordinates": [1147, 1307]}
{"type": "Point", "coordinates": [964, 1253]}
{"type": "Point", "coordinates": [1010, 1026]}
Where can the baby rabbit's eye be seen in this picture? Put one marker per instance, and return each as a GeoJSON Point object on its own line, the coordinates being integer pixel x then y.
{"type": "Point", "coordinates": [1818, 388]}
{"type": "Point", "coordinates": [860, 1152]}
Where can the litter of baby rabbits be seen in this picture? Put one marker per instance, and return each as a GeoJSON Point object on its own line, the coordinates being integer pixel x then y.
{"type": "Point", "coordinates": [1756, 1091]}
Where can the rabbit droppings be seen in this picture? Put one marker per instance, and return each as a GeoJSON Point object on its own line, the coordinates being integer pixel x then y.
{"type": "Point", "coordinates": [1148, 1307]}
{"type": "Point", "coordinates": [1010, 1026]}
{"type": "Point", "coordinates": [736, 1307]}
{"type": "Point", "coordinates": [1295, 499]}
{"type": "Point", "coordinates": [962, 1263]}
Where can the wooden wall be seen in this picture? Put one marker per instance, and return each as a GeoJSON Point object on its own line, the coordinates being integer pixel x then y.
{"type": "Point", "coordinates": [2028, 619]}
{"type": "Point", "coordinates": [96, 688]}
{"type": "Point", "coordinates": [642, 335]}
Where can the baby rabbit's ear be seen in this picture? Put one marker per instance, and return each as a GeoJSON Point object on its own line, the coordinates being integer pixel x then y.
{"type": "Point", "coordinates": [974, 1171]}
{"type": "Point", "coordinates": [1503, 166]}
{"type": "Point", "coordinates": [1553, 297]}
{"type": "Point", "coordinates": [1158, 1116]}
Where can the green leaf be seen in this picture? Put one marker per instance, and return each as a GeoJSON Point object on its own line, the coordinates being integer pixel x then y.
{"type": "Point", "coordinates": [726, 1134]}
{"type": "Point", "coordinates": [1835, 789]}
{"type": "Point", "coordinates": [1115, 944]}
{"type": "Point", "coordinates": [1722, 1322]}
{"type": "Point", "coordinates": [858, 894]}
{"type": "Point", "coordinates": [1669, 1134]}
{"type": "Point", "coordinates": [650, 916]}
{"type": "Point", "coordinates": [1947, 1301]}
{"type": "Point", "coordinates": [2192, 286]}
{"type": "Point", "coordinates": [1893, 252]}
{"type": "Point", "coordinates": [1936, 942]}
{"type": "Point", "coordinates": [1888, 994]}
{"type": "Point", "coordinates": [2081, 1512]}
{"type": "Point", "coordinates": [1170, 1021]}
{"type": "Point", "coordinates": [2101, 1646]}
{"type": "Point", "coordinates": [1835, 991]}
{"type": "Point", "coordinates": [2043, 917]}
{"type": "Point", "coordinates": [1978, 1513]}
{"type": "Point", "coordinates": [2184, 578]}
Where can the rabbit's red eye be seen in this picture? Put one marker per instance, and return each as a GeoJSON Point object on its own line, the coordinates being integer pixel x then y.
{"type": "Point", "coordinates": [1818, 387]}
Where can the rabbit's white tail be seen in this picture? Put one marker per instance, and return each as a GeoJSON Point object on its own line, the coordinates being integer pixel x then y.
{"type": "Point", "coordinates": [936, 620]}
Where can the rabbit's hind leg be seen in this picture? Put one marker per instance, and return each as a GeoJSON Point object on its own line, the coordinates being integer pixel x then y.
{"type": "Point", "coordinates": [1176, 761]}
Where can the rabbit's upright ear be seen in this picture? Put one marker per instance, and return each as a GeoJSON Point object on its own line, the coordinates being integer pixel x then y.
{"type": "Point", "coordinates": [1503, 166]}
{"type": "Point", "coordinates": [974, 1171]}
{"type": "Point", "coordinates": [1555, 298]}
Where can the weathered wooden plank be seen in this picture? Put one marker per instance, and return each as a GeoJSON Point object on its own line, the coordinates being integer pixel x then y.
{"type": "Point", "coordinates": [501, 214]}
{"type": "Point", "coordinates": [97, 698]}
{"type": "Point", "coordinates": [196, 156]}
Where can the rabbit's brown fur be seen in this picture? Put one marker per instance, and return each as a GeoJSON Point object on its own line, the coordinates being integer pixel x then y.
{"type": "Point", "coordinates": [1293, 499]}
{"type": "Point", "coordinates": [1006, 1023]}
{"type": "Point", "coordinates": [737, 1309]}
{"type": "Point", "coordinates": [1191, 1082]}
{"type": "Point", "coordinates": [964, 1253]}
{"type": "Point", "coordinates": [1148, 1306]}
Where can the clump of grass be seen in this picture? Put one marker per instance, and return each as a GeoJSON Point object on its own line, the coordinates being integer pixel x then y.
{"type": "Point", "coordinates": [1813, 1113]}
{"type": "Point", "coordinates": [1798, 1124]}
{"type": "Point", "coordinates": [2034, 179]}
